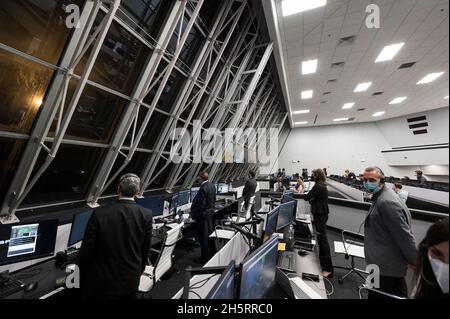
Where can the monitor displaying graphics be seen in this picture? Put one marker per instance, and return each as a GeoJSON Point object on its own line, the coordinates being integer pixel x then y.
{"type": "Point", "coordinates": [270, 226]}
{"type": "Point", "coordinates": [258, 271]}
{"type": "Point", "coordinates": [79, 224]}
{"type": "Point", "coordinates": [154, 203]}
{"type": "Point", "coordinates": [26, 241]}
{"type": "Point", "coordinates": [222, 188]}
{"type": "Point", "coordinates": [224, 287]}
{"type": "Point", "coordinates": [285, 215]}
{"type": "Point", "coordinates": [194, 191]}
{"type": "Point", "coordinates": [174, 203]}
{"type": "Point", "coordinates": [184, 197]}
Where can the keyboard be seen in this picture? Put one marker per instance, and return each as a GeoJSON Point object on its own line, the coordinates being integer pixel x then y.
{"type": "Point", "coordinates": [287, 260]}
{"type": "Point", "coordinates": [11, 287]}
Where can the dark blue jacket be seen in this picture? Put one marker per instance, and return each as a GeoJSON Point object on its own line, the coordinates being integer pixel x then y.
{"type": "Point", "coordinates": [203, 205]}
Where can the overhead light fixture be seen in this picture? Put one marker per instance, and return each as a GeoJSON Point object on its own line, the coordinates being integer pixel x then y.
{"type": "Point", "coordinates": [301, 112]}
{"type": "Point", "coordinates": [343, 119]}
{"type": "Point", "coordinates": [398, 100]}
{"type": "Point", "coordinates": [291, 7]}
{"type": "Point", "coordinates": [309, 67]}
{"type": "Point", "coordinates": [348, 106]}
{"type": "Point", "coordinates": [389, 52]}
{"type": "Point", "coordinates": [378, 114]}
{"type": "Point", "coordinates": [430, 78]}
{"type": "Point", "coordinates": [301, 123]}
{"type": "Point", "coordinates": [307, 94]}
{"type": "Point", "coordinates": [363, 87]}
{"type": "Point", "coordinates": [446, 97]}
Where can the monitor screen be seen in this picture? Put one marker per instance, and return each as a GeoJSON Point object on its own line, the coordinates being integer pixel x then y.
{"type": "Point", "coordinates": [184, 197]}
{"type": "Point", "coordinates": [79, 224]}
{"type": "Point", "coordinates": [222, 188]}
{"type": "Point", "coordinates": [26, 241]}
{"type": "Point", "coordinates": [224, 287]}
{"type": "Point", "coordinates": [174, 203]}
{"type": "Point", "coordinates": [258, 271]}
{"type": "Point", "coordinates": [270, 226]}
{"type": "Point", "coordinates": [194, 191]}
{"type": "Point", "coordinates": [285, 215]}
{"type": "Point", "coordinates": [154, 203]}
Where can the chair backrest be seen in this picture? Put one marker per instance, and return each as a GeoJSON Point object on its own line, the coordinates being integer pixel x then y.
{"type": "Point", "coordinates": [164, 262]}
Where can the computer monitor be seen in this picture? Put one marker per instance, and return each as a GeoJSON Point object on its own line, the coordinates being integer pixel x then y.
{"type": "Point", "coordinates": [224, 287]}
{"type": "Point", "coordinates": [270, 226]}
{"type": "Point", "coordinates": [222, 188]}
{"type": "Point", "coordinates": [194, 191]}
{"type": "Point", "coordinates": [154, 203]}
{"type": "Point", "coordinates": [26, 241]}
{"type": "Point", "coordinates": [258, 271]}
{"type": "Point", "coordinates": [184, 197]}
{"type": "Point", "coordinates": [79, 224]}
{"type": "Point", "coordinates": [285, 215]}
{"type": "Point", "coordinates": [174, 203]}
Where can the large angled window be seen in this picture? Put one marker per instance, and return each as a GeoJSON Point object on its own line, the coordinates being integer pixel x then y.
{"type": "Point", "coordinates": [10, 151]}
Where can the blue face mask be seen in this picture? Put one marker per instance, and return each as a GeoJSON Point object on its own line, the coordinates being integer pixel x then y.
{"type": "Point", "coordinates": [372, 187]}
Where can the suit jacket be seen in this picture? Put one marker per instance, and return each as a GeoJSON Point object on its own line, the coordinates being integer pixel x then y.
{"type": "Point", "coordinates": [249, 190]}
{"type": "Point", "coordinates": [203, 205]}
{"type": "Point", "coordinates": [318, 198]}
{"type": "Point", "coordinates": [115, 249]}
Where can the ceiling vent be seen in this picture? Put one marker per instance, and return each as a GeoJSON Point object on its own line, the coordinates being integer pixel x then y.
{"type": "Point", "coordinates": [351, 119]}
{"type": "Point", "coordinates": [326, 93]}
{"type": "Point", "coordinates": [361, 109]}
{"type": "Point", "coordinates": [418, 125]}
{"type": "Point", "coordinates": [378, 93]}
{"type": "Point", "coordinates": [332, 81]}
{"type": "Point", "coordinates": [347, 40]}
{"type": "Point", "coordinates": [337, 64]}
{"type": "Point", "coordinates": [406, 65]}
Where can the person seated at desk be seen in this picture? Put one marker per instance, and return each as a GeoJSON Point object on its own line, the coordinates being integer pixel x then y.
{"type": "Point", "coordinates": [249, 188]}
{"type": "Point", "coordinates": [300, 186]}
{"type": "Point", "coordinates": [116, 246]}
{"type": "Point", "coordinates": [279, 186]}
{"type": "Point", "coordinates": [420, 178]}
{"type": "Point", "coordinates": [202, 211]}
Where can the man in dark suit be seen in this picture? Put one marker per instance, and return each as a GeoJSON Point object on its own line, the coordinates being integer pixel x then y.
{"type": "Point", "coordinates": [202, 210]}
{"type": "Point", "coordinates": [249, 188]}
{"type": "Point", "coordinates": [116, 246]}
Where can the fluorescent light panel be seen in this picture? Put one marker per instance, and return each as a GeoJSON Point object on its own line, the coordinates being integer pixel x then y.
{"type": "Point", "coordinates": [446, 97]}
{"type": "Point", "coordinates": [301, 123]}
{"type": "Point", "coordinates": [389, 52]}
{"type": "Point", "coordinates": [291, 7]}
{"type": "Point", "coordinates": [398, 100]}
{"type": "Point", "coordinates": [378, 114]}
{"type": "Point", "coordinates": [363, 87]}
{"type": "Point", "coordinates": [343, 119]}
{"type": "Point", "coordinates": [348, 106]}
{"type": "Point", "coordinates": [430, 78]}
{"type": "Point", "coordinates": [307, 94]}
{"type": "Point", "coordinates": [301, 112]}
{"type": "Point", "coordinates": [309, 67]}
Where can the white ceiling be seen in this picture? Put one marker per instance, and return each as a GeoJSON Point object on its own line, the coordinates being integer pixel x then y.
{"type": "Point", "coordinates": [422, 24]}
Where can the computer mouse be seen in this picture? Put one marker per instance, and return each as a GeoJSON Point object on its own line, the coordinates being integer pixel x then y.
{"type": "Point", "coordinates": [30, 286]}
{"type": "Point", "coordinates": [302, 252]}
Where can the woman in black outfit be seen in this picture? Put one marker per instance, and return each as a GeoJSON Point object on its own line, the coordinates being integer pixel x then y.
{"type": "Point", "coordinates": [318, 198]}
{"type": "Point", "coordinates": [432, 265]}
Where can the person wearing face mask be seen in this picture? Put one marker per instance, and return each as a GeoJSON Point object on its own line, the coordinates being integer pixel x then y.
{"type": "Point", "coordinates": [388, 240]}
{"type": "Point", "coordinates": [432, 263]}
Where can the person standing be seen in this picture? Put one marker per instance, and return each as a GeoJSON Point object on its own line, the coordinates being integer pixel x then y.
{"type": "Point", "coordinates": [116, 246]}
{"type": "Point", "coordinates": [389, 242]}
{"type": "Point", "coordinates": [202, 211]}
{"type": "Point", "coordinates": [398, 189]}
{"type": "Point", "coordinates": [432, 263]}
{"type": "Point", "coordinates": [249, 188]}
{"type": "Point", "coordinates": [318, 198]}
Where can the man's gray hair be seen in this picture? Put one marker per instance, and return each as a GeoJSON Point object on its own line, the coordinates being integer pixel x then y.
{"type": "Point", "coordinates": [378, 170]}
{"type": "Point", "coordinates": [129, 185]}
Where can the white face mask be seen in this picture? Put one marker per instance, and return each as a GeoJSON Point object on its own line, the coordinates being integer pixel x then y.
{"type": "Point", "coordinates": [440, 270]}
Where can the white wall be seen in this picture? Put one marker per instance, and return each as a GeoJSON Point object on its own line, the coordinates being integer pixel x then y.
{"type": "Point", "coordinates": [356, 146]}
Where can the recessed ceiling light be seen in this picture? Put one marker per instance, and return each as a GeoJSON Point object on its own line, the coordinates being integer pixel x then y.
{"type": "Point", "coordinates": [389, 52]}
{"type": "Point", "coordinates": [307, 94]}
{"type": "Point", "coordinates": [301, 112]}
{"type": "Point", "coordinates": [378, 114]}
{"type": "Point", "coordinates": [430, 78]}
{"type": "Point", "coordinates": [446, 97]}
{"type": "Point", "coordinates": [343, 119]}
{"type": "Point", "coordinates": [291, 7]}
{"type": "Point", "coordinates": [301, 123]}
{"type": "Point", "coordinates": [309, 67]}
{"type": "Point", "coordinates": [363, 87]}
{"type": "Point", "coordinates": [348, 106]}
{"type": "Point", "coordinates": [398, 100]}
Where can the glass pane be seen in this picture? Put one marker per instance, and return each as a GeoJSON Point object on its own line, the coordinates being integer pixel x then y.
{"type": "Point", "coordinates": [22, 88]}
{"type": "Point", "coordinates": [68, 177]}
{"type": "Point", "coordinates": [10, 151]}
{"type": "Point", "coordinates": [35, 27]}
